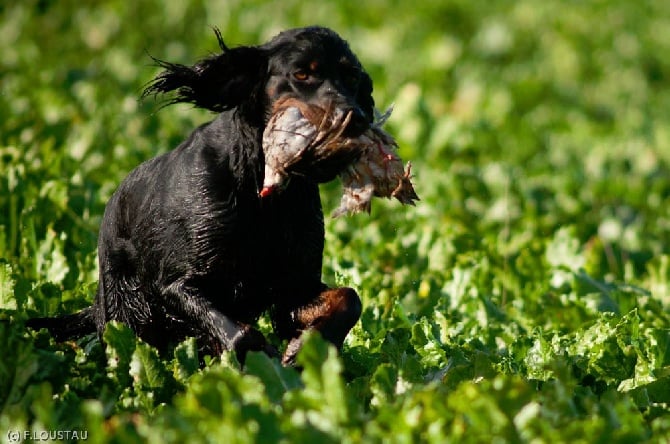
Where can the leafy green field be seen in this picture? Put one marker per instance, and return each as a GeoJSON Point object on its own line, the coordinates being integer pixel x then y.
{"type": "Point", "coordinates": [525, 299]}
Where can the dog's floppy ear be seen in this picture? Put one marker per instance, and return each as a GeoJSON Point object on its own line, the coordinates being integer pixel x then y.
{"type": "Point", "coordinates": [216, 83]}
{"type": "Point", "coordinates": [364, 95]}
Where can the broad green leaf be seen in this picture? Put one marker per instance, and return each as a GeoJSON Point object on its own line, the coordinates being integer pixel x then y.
{"type": "Point", "coordinates": [564, 255]}
{"type": "Point", "coordinates": [51, 262]}
{"type": "Point", "coordinates": [427, 345]}
{"type": "Point", "coordinates": [324, 387]}
{"type": "Point", "coordinates": [276, 379]}
{"type": "Point", "coordinates": [121, 343]}
{"type": "Point", "coordinates": [185, 359]}
{"type": "Point", "coordinates": [152, 381]}
{"type": "Point", "coordinates": [18, 366]}
{"type": "Point", "coordinates": [383, 385]}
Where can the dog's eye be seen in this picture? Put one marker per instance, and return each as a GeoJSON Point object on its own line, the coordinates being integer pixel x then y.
{"type": "Point", "coordinates": [301, 75]}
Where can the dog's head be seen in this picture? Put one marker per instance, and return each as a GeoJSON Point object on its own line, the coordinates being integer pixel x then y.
{"type": "Point", "coordinates": [312, 64]}
{"type": "Point", "coordinates": [316, 66]}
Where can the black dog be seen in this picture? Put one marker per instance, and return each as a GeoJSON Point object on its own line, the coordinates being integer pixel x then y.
{"type": "Point", "coordinates": [188, 248]}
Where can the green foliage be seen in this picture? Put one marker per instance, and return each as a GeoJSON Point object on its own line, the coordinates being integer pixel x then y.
{"type": "Point", "coordinates": [526, 298]}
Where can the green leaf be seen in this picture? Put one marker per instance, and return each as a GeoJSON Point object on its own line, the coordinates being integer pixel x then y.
{"type": "Point", "coordinates": [152, 382]}
{"type": "Point", "coordinates": [383, 385]}
{"type": "Point", "coordinates": [7, 299]}
{"type": "Point", "coordinates": [185, 361]}
{"type": "Point", "coordinates": [17, 367]}
{"type": "Point", "coordinates": [276, 378]}
{"type": "Point", "coordinates": [564, 255]}
{"type": "Point", "coordinates": [322, 377]}
{"type": "Point", "coordinates": [427, 344]}
{"type": "Point", "coordinates": [121, 343]}
{"type": "Point", "coordinates": [51, 261]}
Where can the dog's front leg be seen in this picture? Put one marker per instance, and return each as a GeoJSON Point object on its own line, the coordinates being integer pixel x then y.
{"type": "Point", "coordinates": [226, 333]}
{"type": "Point", "coordinates": [332, 313]}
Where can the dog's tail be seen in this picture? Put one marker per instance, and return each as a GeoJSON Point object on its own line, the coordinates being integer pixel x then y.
{"type": "Point", "coordinates": [68, 326]}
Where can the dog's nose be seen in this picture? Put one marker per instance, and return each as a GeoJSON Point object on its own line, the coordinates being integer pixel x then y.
{"type": "Point", "coordinates": [358, 124]}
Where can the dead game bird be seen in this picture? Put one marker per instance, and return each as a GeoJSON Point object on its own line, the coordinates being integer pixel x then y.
{"type": "Point", "coordinates": [301, 139]}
